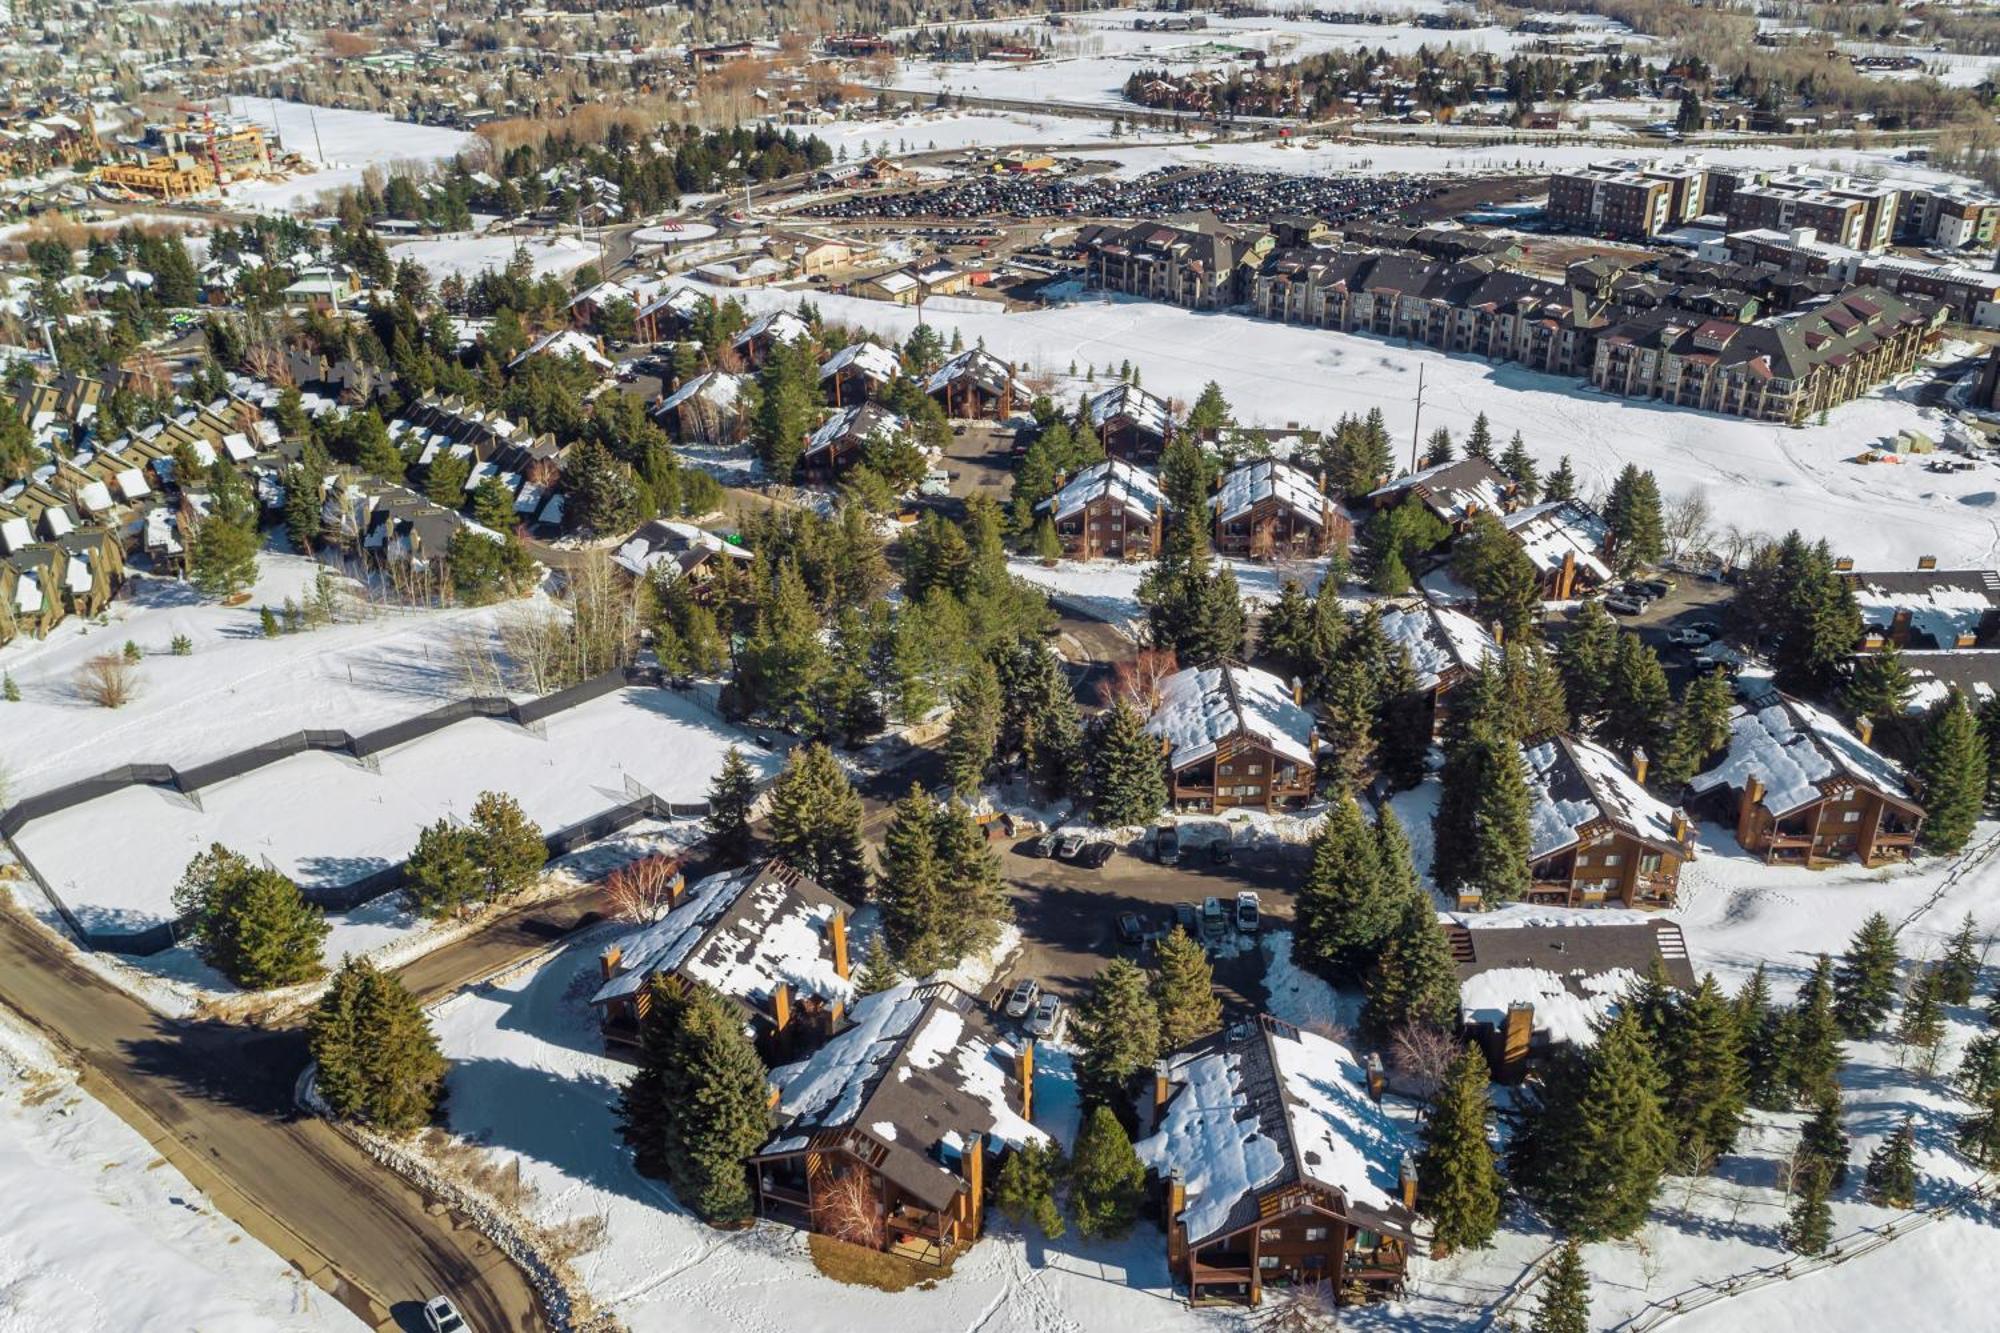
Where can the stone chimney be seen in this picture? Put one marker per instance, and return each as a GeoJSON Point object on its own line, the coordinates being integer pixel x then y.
{"type": "Point", "coordinates": [1640, 762]}
{"type": "Point", "coordinates": [836, 931]}
{"type": "Point", "coordinates": [1864, 728]}
{"type": "Point", "coordinates": [1024, 1070]}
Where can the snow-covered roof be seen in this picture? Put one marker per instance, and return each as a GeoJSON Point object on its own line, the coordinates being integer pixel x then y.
{"type": "Point", "coordinates": [780, 326]}
{"type": "Point", "coordinates": [1792, 748]}
{"type": "Point", "coordinates": [713, 386]}
{"type": "Point", "coordinates": [1946, 607]}
{"type": "Point", "coordinates": [1147, 411]}
{"type": "Point", "coordinates": [1263, 1105]}
{"type": "Point", "coordinates": [564, 343]}
{"type": "Point", "coordinates": [665, 541]}
{"type": "Point", "coordinates": [983, 368]}
{"type": "Point", "coordinates": [1574, 783]}
{"type": "Point", "coordinates": [1550, 532]}
{"type": "Point", "coordinates": [94, 496]}
{"type": "Point", "coordinates": [742, 932]}
{"type": "Point", "coordinates": [1439, 640]}
{"type": "Point", "coordinates": [865, 420]}
{"type": "Point", "coordinates": [1454, 491]}
{"type": "Point", "coordinates": [873, 360]}
{"type": "Point", "coordinates": [1573, 966]}
{"type": "Point", "coordinates": [1132, 488]}
{"type": "Point", "coordinates": [28, 594]}
{"type": "Point", "coordinates": [1259, 479]}
{"type": "Point", "coordinates": [924, 1060]}
{"type": "Point", "coordinates": [1202, 706]}
{"type": "Point", "coordinates": [131, 483]}
{"type": "Point", "coordinates": [15, 534]}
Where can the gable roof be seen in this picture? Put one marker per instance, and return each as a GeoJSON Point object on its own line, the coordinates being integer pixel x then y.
{"type": "Point", "coordinates": [780, 326]}
{"type": "Point", "coordinates": [1262, 1105]}
{"type": "Point", "coordinates": [1145, 410]}
{"type": "Point", "coordinates": [1453, 491]}
{"type": "Point", "coordinates": [863, 422]}
{"type": "Point", "coordinates": [1245, 485]}
{"type": "Point", "coordinates": [984, 369]}
{"type": "Point", "coordinates": [1572, 965]}
{"type": "Point", "coordinates": [1133, 488]}
{"type": "Point", "coordinates": [1549, 532]}
{"type": "Point", "coordinates": [1792, 748]}
{"type": "Point", "coordinates": [1200, 707]}
{"type": "Point", "coordinates": [1439, 639]}
{"type": "Point", "coordinates": [1943, 605]}
{"type": "Point", "coordinates": [873, 360]}
{"type": "Point", "coordinates": [1574, 783]}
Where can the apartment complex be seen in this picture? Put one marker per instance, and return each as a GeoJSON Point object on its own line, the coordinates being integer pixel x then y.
{"type": "Point", "coordinates": [1629, 199]}
{"type": "Point", "coordinates": [1197, 260]}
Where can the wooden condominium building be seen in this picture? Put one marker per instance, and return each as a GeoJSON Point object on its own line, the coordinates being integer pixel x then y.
{"type": "Point", "coordinates": [1267, 510]}
{"type": "Point", "coordinates": [1783, 369]}
{"type": "Point", "coordinates": [1453, 491]}
{"type": "Point", "coordinates": [755, 342]}
{"type": "Point", "coordinates": [977, 385]}
{"type": "Point", "coordinates": [1525, 986]}
{"type": "Point", "coordinates": [1804, 790]}
{"type": "Point", "coordinates": [668, 549]}
{"type": "Point", "coordinates": [1109, 511]}
{"type": "Point", "coordinates": [890, 1133]}
{"type": "Point", "coordinates": [857, 372]}
{"type": "Point", "coordinates": [1234, 736]}
{"type": "Point", "coordinates": [1596, 835]}
{"type": "Point", "coordinates": [1445, 649]}
{"type": "Point", "coordinates": [1132, 424]}
{"type": "Point", "coordinates": [708, 408]}
{"type": "Point", "coordinates": [1278, 1168]}
{"type": "Point", "coordinates": [1568, 543]}
{"type": "Point", "coordinates": [766, 938]}
{"type": "Point", "coordinates": [1937, 609]}
{"type": "Point", "coordinates": [1195, 260]}
{"type": "Point", "coordinates": [839, 443]}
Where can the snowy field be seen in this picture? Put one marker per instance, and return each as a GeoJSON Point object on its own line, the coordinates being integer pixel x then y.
{"type": "Point", "coordinates": [469, 256]}
{"type": "Point", "coordinates": [101, 1234]}
{"type": "Point", "coordinates": [324, 819]}
{"type": "Point", "coordinates": [1756, 477]}
{"type": "Point", "coordinates": [924, 131]}
{"type": "Point", "coordinates": [343, 143]}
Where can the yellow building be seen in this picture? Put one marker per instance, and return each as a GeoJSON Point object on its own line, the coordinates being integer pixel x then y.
{"type": "Point", "coordinates": [177, 177]}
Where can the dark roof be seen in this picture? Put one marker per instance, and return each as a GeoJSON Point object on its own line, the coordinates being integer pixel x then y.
{"type": "Point", "coordinates": [1573, 952]}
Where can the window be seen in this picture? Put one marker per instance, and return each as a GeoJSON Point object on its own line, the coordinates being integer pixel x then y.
{"type": "Point", "coordinates": [1614, 859]}
{"type": "Point", "coordinates": [1315, 1233]}
{"type": "Point", "coordinates": [1267, 1261]}
{"type": "Point", "coordinates": [1364, 1240]}
{"type": "Point", "coordinates": [1851, 817]}
{"type": "Point", "coordinates": [1253, 769]}
{"type": "Point", "coordinates": [1270, 1233]}
{"type": "Point", "coordinates": [1650, 863]}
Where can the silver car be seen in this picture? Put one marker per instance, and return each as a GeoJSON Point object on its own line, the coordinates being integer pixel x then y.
{"type": "Point", "coordinates": [441, 1316]}
{"type": "Point", "coordinates": [1022, 999]}
{"type": "Point", "coordinates": [1047, 1020]}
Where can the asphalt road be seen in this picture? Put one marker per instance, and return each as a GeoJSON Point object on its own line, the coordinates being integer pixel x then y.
{"type": "Point", "coordinates": [216, 1101]}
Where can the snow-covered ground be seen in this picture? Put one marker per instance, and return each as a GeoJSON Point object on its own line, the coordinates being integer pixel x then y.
{"type": "Point", "coordinates": [468, 256]}
{"type": "Point", "coordinates": [1756, 477]}
{"type": "Point", "coordinates": [97, 1232]}
{"type": "Point", "coordinates": [1108, 590]}
{"type": "Point", "coordinates": [923, 131]}
{"type": "Point", "coordinates": [343, 143]}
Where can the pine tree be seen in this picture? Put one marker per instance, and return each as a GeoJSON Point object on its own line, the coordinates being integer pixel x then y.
{"type": "Point", "coordinates": [1636, 704]}
{"type": "Point", "coordinates": [1953, 772]}
{"type": "Point", "coordinates": [1184, 989]}
{"type": "Point", "coordinates": [1346, 908]}
{"type": "Point", "coordinates": [1414, 980]}
{"type": "Point", "coordinates": [8, 689]}
{"type": "Point", "coordinates": [1979, 1069]}
{"type": "Point", "coordinates": [975, 729]}
{"type": "Point", "coordinates": [816, 822]}
{"type": "Point", "coordinates": [1585, 658]}
{"type": "Point", "coordinates": [1390, 578]}
{"type": "Point", "coordinates": [1107, 1180]}
{"type": "Point", "coordinates": [1561, 484]}
{"type": "Point", "coordinates": [1438, 448]}
{"type": "Point", "coordinates": [1979, 1130]}
{"type": "Point", "coordinates": [1813, 1054]}
{"type": "Point", "coordinates": [1489, 560]}
{"type": "Point", "coordinates": [1481, 827]}
{"type": "Point", "coordinates": [378, 1060]}
{"type": "Point", "coordinates": [1703, 1058]}
{"type": "Point", "coordinates": [1809, 1230]}
{"type": "Point", "coordinates": [1026, 1189]}
{"type": "Point", "coordinates": [1209, 414]}
{"type": "Point", "coordinates": [508, 845]}
{"type": "Point", "coordinates": [879, 973]}
{"type": "Point", "coordinates": [1864, 983]}
{"type": "Point", "coordinates": [1632, 512]}
{"type": "Point", "coordinates": [1595, 1154]}
{"type": "Point", "coordinates": [1518, 464]}
{"type": "Point", "coordinates": [910, 888]}
{"type": "Point", "coordinates": [1891, 1177]}
{"type": "Point", "coordinates": [1458, 1185]}
{"type": "Point", "coordinates": [1989, 727]}
{"type": "Point", "coordinates": [1127, 777]}
{"type": "Point", "coordinates": [1879, 684]}
{"type": "Point", "coordinates": [1565, 1303]}
{"type": "Point", "coordinates": [222, 559]}
{"type": "Point", "coordinates": [1479, 444]}
{"type": "Point", "coordinates": [249, 923]}
{"type": "Point", "coordinates": [974, 898]}
{"type": "Point", "coordinates": [1701, 726]}
{"type": "Point", "coordinates": [1764, 1032]}
{"type": "Point", "coordinates": [1920, 1031]}
{"type": "Point", "coordinates": [1823, 1142]}
{"type": "Point", "coordinates": [442, 875]}
{"type": "Point", "coordinates": [699, 1101]}
{"type": "Point", "coordinates": [1118, 1032]}
{"type": "Point", "coordinates": [730, 797]}
{"type": "Point", "coordinates": [1958, 970]}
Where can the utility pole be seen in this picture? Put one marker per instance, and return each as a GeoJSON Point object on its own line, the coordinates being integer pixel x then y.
{"type": "Point", "coordinates": [1417, 424]}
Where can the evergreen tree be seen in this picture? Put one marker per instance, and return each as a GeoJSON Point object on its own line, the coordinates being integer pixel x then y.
{"type": "Point", "coordinates": [1958, 970]}
{"type": "Point", "coordinates": [1458, 1185]}
{"type": "Point", "coordinates": [1636, 705]}
{"type": "Point", "coordinates": [1127, 779]}
{"type": "Point", "coordinates": [1565, 1303]}
{"type": "Point", "coordinates": [378, 1059]}
{"type": "Point", "coordinates": [1989, 727]}
{"type": "Point", "coordinates": [1118, 1033]}
{"type": "Point", "coordinates": [879, 973]}
{"type": "Point", "coordinates": [1764, 1033]}
{"type": "Point", "coordinates": [1864, 983]}
{"type": "Point", "coordinates": [784, 664]}
{"type": "Point", "coordinates": [1891, 1177]}
{"type": "Point", "coordinates": [1823, 1142]}
{"type": "Point", "coordinates": [1700, 729]}
{"type": "Point", "coordinates": [1184, 988]}
{"type": "Point", "coordinates": [1391, 578]}
{"type": "Point", "coordinates": [1813, 1053]}
{"type": "Point", "coordinates": [1704, 1062]}
{"type": "Point", "coordinates": [1285, 637]}
{"type": "Point", "coordinates": [1594, 1154]}
{"type": "Point", "coordinates": [507, 845]}
{"type": "Point", "coordinates": [1518, 464]}
{"type": "Point", "coordinates": [1414, 980]}
{"type": "Point", "coordinates": [910, 887]}
{"type": "Point", "coordinates": [1809, 1230]}
{"type": "Point", "coordinates": [1879, 684]}
{"type": "Point", "coordinates": [975, 899]}
{"type": "Point", "coordinates": [1209, 414]}
{"type": "Point", "coordinates": [222, 560]}
{"type": "Point", "coordinates": [442, 876]}
{"type": "Point", "coordinates": [1953, 773]}
{"type": "Point", "coordinates": [699, 1102]}
{"type": "Point", "coordinates": [1479, 444]}
{"type": "Point", "coordinates": [1438, 448]}
{"type": "Point", "coordinates": [730, 797]}
{"type": "Point", "coordinates": [1346, 907]}
{"type": "Point", "coordinates": [1026, 1189]}
{"type": "Point", "coordinates": [1585, 657]}
{"type": "Point", "coordinates": [1979, 1130]}
{"type": "Point", "coordinates": [1632, 513]}
{"type": "Point", "coordinates": [1039, 720]}
{"type": "Point", "coordinates": [1489, 560]}
{"type": "Point", "coordinates": [1920, 1031]}
{"type": "Point", "coordinates": [249, 923]}
{"type": "Point", "coordinates": [1561, 484]}
{"type": "Point", "coordinates": [1107, 1180]}
{"type": "Point", "coordinates": [816, 822]}
{"type": "Point", "coordinates": [1481, 827]}
{"type": "Point", "coordinates": [975, 728]}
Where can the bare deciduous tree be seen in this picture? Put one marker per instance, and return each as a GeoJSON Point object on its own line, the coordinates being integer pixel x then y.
{"type": "Point", "coordinates": [643, 890]}
{"type": "Point", "coordinates": [1309, 1307]}
{"type": "Point", "coordinates": [1421, 1053]}
{"type": "Point", "coordinates": [847, 1208]}
{"type": "Point", "coordinates": [1686, 524]}
{"type": "Point", "coordinates": [107, 680]}
{"type": "Point", "coordinates": [1137, 679]}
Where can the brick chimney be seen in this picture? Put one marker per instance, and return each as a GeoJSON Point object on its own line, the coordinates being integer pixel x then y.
{"type": "Point", "coordinates": [1640, 761]}
{"type": "Point", "coordinates": [1864, 728]}
{"type": "Point", "coordinates": [1024, 1070]}
{"type": "Point", "coordinates": [836, 930]}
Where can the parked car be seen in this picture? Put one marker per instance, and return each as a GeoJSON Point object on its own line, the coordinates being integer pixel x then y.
{"type": "Point", "coordinates": [1094, 856]}
{"type": "Point", "coordinates": [1657, 587]}
{"type": "Point", "coordinates": [1039, 848]}
{"type": "Point", "coordinates": [1131, 928]}
{"type": "Point", "coordinates": [1623, 605]}
{"type": "Point", "coordinates": [1221, 852]}
{"type": "Point", "coordinates": [1687, 637]}
{"type": "Point", "coordinates": [1047, 1020]}
{"type": "Point", "coordinates": [1708, 627]}
{"type": "Point", "coordinates": [1246, 911]}
{"type": "Point", "coordinates": [1167, 845]}
{"type": "Point", "coordinates": [1213, 915]}
{"type": "Point", "coordinates": [1069, 847]}
{"type": "Point", "coordinates": [1021, 1000]}
{"type": "Point", "coordinates": [441, 1316]}
{"type": "Point", "coordinates": [1188, 917]}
